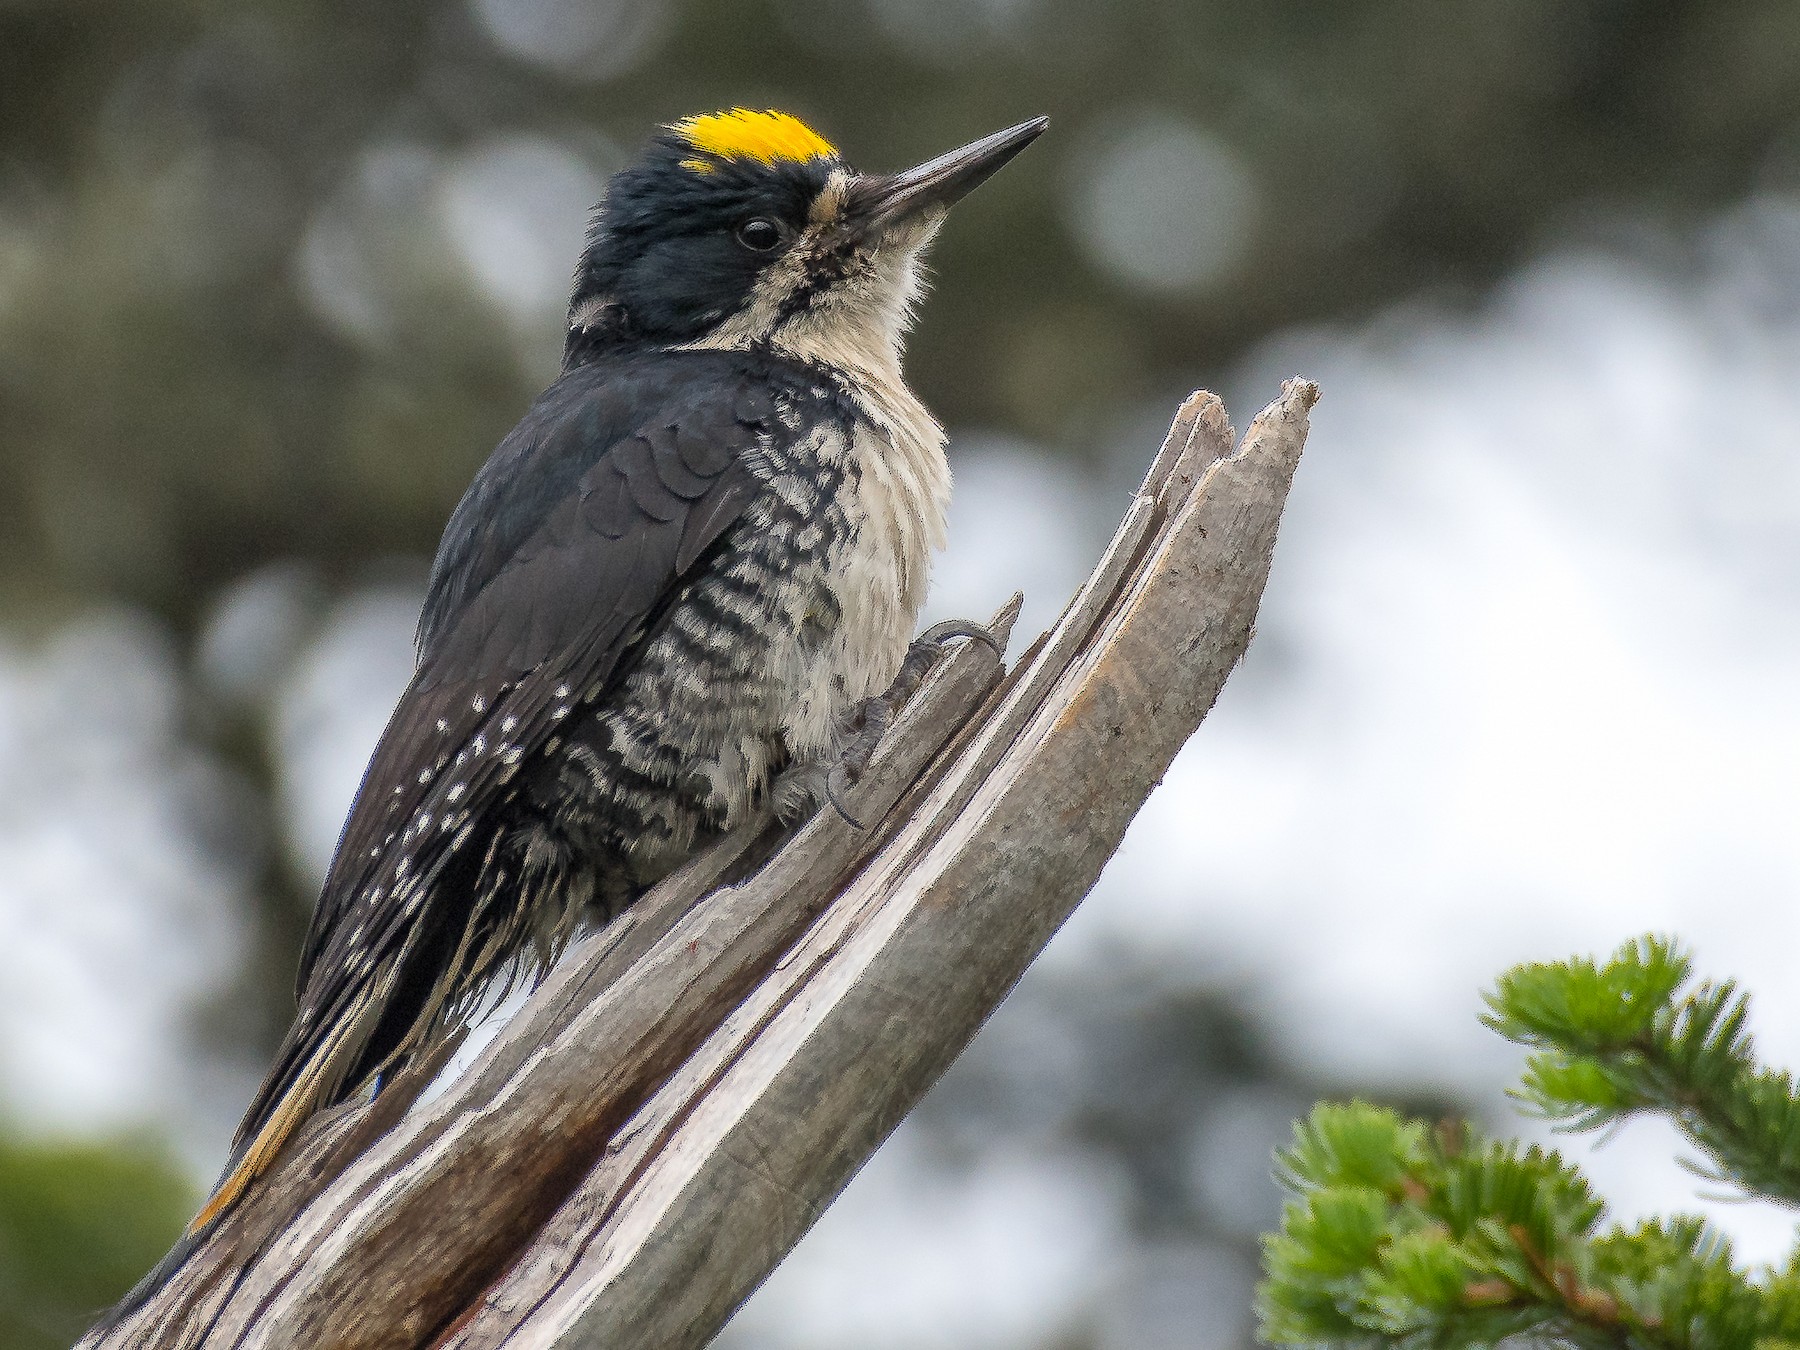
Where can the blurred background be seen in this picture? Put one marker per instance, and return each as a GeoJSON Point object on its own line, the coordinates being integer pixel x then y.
{"type": "Point", "coordinates": [275, 276]}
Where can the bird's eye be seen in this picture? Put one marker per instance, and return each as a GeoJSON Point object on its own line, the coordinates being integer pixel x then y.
{"type": "Point", "coordinates": [759, 235]}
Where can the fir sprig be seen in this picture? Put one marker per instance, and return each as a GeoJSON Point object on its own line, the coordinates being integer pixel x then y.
{"type": "Point", "coordinates": [1402, 1235]}
{"type": "Point", "coordinates": [1613, 1039]}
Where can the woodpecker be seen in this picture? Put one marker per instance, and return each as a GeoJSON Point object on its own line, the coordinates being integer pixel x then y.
{"type": "Point", "coordinates": [659, 604]}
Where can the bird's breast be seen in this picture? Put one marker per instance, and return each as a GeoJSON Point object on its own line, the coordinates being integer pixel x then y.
{"type": "Point", "coordinates": [805, 609]}
{"type": "Point", "coordinates": [893, 496]}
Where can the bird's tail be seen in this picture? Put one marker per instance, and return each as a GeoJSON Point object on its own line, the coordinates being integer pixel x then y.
{"type": "Point", "coordinates": [287, 1102]}
{"type": "Point", "coordinates": [260, 1147]}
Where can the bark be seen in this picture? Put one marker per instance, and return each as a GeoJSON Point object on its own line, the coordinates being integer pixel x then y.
{"type": "Point", "coordinates": [670, 1112]}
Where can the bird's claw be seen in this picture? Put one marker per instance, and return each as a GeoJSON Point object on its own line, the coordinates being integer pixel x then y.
{"type": "Point", "coordinates": [837, 782]}
{"type": "Point", "coordinates": [927, 650]}
{"type": "Point", "coordinates": [867, 723]}
{"type": "Point", "coordinates": [869, 720]}
{"type": "Point", "coordinates": [940, 633]}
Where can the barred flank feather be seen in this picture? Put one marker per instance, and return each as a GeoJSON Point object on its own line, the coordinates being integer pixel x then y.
{"type": "Point", "coordinates": [600, 687]}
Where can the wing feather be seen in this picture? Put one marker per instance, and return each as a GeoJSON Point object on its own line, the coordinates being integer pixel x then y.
{"type": "Point", "coordinates": [623, 488]}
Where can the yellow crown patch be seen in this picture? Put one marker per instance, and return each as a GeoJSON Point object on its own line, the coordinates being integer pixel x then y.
{"type": "Point", "coordinates": [769, 137]}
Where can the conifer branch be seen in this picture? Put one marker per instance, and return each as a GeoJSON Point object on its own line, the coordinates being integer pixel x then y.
{"type": "Point", "coordinates": [1618, 1038]}
{"type": "Point", "coordinates": [1399, 1234]}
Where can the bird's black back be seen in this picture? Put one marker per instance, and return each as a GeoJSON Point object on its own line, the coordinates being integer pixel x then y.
{"type": "Point", "coordinates": [587, 517]}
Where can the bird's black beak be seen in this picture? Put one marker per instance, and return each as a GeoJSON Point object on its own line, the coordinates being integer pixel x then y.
{"type": "Point", "coordinates": [883, 200]}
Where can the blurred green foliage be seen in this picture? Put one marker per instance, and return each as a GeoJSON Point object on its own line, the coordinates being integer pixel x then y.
{"type": "Point", "coordinates": [79, 1223]}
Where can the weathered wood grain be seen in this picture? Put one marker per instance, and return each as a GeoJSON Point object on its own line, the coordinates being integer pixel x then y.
{"type": "Point", "coordinates": [730, 1164]}
{"type": "Point", "coordinates": [672, 1109]}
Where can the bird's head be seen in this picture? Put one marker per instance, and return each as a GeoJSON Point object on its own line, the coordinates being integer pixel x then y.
{"type": "Point", "coordinates": [746, 228]}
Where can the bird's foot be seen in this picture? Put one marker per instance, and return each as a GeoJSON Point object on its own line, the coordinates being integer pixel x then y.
{"type": "Point", "coordinates": [869, 720]}
{"type": "Point", "coordinates": [798, 791]}
{"type": "Point", "coordinates": [927, 650]}
{"type": "Point", "coordinates": [864, 727]}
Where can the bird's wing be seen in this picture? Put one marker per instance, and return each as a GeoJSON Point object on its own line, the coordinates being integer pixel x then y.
{"type": "Point", "coordinates": [552, 610]}
{"type": "Point", "coordinates": [580, 523]}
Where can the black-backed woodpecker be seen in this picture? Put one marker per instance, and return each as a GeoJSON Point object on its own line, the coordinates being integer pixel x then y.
{"type": "Point", "coordinates": [658, 603]}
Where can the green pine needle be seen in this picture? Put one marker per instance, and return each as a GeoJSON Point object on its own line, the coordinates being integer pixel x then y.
{"type": "Point", "coordinates": [1402, 1235]}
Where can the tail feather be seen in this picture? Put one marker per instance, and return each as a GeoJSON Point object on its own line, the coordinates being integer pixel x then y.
{"type": "Point", "coordinates": [243, 1168]}
{"type": "Point", "coordinates": [308, 1089]}
{"type": "Point", "coordinates": [252, 1160]}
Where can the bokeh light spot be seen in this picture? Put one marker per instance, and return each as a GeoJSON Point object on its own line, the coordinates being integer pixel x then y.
{"type": "Point", "coordinates": [590, 40]}
{"type": "Point", "coordinates": [1162, 204]}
